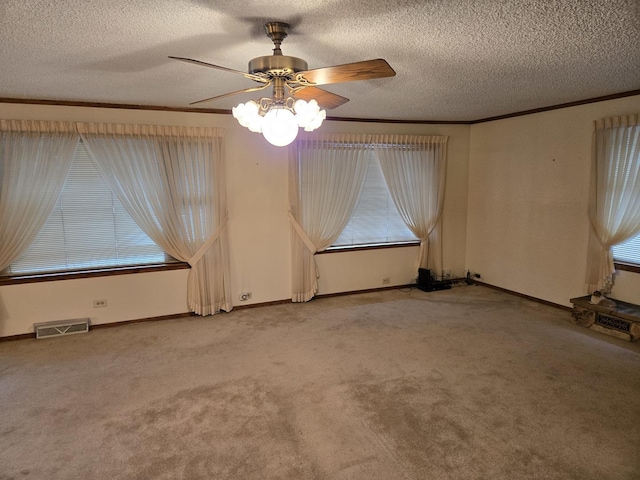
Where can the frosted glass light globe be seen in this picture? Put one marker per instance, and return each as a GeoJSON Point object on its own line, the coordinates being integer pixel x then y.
{"type": "Point", "coordinates": [247, 116]}
{"type": "Point", "coordinates": [279, 126]}
{"type": "Point", "coordinates": [309, 115]}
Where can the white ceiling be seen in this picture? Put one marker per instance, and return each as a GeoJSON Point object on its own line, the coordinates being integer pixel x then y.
{"type": "Point", "coordinates": [456, 60]}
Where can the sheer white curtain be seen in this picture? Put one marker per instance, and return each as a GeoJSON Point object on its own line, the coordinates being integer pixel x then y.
{"type": "Point", "coordinates": [414, 168]}
{"type": "Point", "coordinates": [171, 180]}
{"type": "Point", "coordinates": [326, 174]}
{"type": "Point", "coordinates": [614, 202]}
{"type": "Point", "coordinates": [35, 157]}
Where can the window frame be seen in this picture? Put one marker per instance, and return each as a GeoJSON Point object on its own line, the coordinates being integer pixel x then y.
{"type": "Point", "coordinates": [90, 273]}
{"type": "Point", "coordinates": [371, 246]}
{"type": "Point", "coordinates": [626, 266]}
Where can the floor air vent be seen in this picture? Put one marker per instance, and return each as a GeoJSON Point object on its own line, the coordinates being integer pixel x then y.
{"type": "Point", "coordinates": [62, 327]}
{"type": "Point", "coordinates": [613, 322]}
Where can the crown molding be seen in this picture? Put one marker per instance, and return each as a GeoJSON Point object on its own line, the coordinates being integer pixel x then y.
{"type": "Point", "coordinates": [126, 106]}
{"type": "Point", "coordinates": [559, 106]}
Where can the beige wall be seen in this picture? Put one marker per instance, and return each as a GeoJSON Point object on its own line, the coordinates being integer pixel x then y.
{"type": "Point", "coordinates": [528, 190]}
{"type": "Point", "coordinates": [258, 230]}
{"type": "Point", "coordinates": [515, 211]}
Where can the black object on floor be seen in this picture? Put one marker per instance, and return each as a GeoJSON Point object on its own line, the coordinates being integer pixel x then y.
{"type": "Point", "coordinates": [427, 283]}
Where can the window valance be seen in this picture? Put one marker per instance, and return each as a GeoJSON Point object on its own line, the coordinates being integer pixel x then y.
{"type": "Point", "coordinates": [59, 127]}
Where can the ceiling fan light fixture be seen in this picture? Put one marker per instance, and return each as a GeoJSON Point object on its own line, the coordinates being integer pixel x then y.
{"type": "Point", "coordinates": [279, 121]}
{"type": "Point", "coordinates": [279, 117]}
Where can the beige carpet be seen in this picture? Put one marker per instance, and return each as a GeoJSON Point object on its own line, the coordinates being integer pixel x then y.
{"type": "Point", "coordinates": [468, 383]}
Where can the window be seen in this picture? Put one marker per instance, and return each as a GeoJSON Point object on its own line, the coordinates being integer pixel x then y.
{"type": "Point", "coordinates": [87, 229]}
{"type": "Point", "coordinates": [376, 219]}
{"type": "Point", "coordinates": [629, 251]}
{"type": "Point", "coordinates": [614, 199]}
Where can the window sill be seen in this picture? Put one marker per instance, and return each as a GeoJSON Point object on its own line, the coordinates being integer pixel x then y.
{"type": "Point", "coordinates": [628, 267]}
{"type": "Point", "coordinates": [102, 272]}
{"type": "Point", "coordinates": [377, 246]}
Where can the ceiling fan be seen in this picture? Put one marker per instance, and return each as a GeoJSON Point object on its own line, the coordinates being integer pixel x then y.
{"type": "Point", "coordinates": [276, 116]}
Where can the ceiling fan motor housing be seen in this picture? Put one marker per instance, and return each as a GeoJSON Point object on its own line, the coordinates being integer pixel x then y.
{"type": "Point", "coordinates": [277, 65]}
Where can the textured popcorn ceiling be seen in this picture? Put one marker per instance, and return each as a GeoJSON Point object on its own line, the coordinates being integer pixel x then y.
{"type": "Point", "coordinates": [455, 59]}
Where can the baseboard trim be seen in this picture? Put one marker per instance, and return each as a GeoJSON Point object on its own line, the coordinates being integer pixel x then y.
{"type": "Point", "coordinates": [522, 295]}
{"type": "Point", "coordinates": [320, 297]}
{"type": "Point", "coordinates": [176, 316]}
{"type": "Point", "coordinates": [22, 336]}
{"type": "Point", "coordinates": [261, 304]}
{"type": "Point", "coordinates": [369, 290]}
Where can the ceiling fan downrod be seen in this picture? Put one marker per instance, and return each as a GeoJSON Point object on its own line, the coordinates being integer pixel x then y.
{"type": "Point", "coordinates": [277, 32]}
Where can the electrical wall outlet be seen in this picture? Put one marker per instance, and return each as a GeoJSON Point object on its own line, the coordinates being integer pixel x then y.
{"type": "Point", "coordinates": [244, 296]}
{"type": "Point", "coordinates": [100, 303]}
{"type": "Point", "coordinates": [386, 280]}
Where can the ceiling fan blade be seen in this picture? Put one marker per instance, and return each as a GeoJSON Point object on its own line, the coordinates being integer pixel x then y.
{"type": "Point", "coordinates": [364, 70]}
{"type": "Point", "coordinates": [250, 76]}
{"type": "Point", "coordinates": [246, 90]}
{"type": "Point", "coordinates": [325, 99]}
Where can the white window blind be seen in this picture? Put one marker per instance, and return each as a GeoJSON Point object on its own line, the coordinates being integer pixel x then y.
{"type": "Point", "coordinates": [629, 251]}
{"type": "Point", "coordinates": [87, 229]}
{"type": "Point", "coordinates": [376, 219]}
